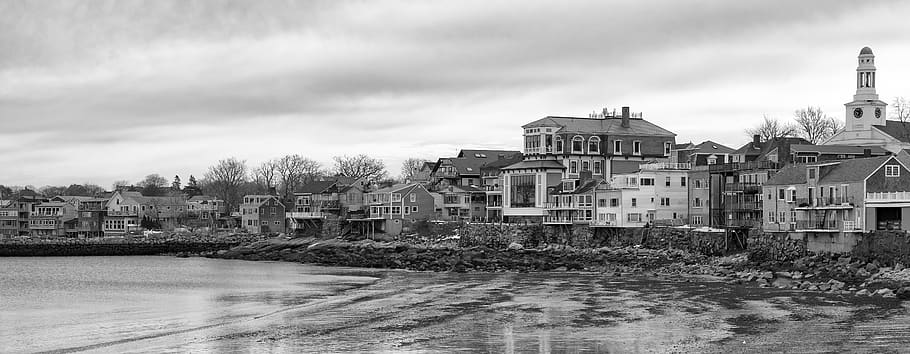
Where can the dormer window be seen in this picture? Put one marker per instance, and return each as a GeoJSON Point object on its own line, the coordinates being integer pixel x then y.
{"type": "Point", "coordinates": [594, 145]}
{"type": "Point", "coordinates": [667, 147]}
{"type": "Point", "coordinates": [892, 171]}
{"type": "Point", "coordinates": [578, 145]}
{"type": "Point", "coordinates": [636, 147]}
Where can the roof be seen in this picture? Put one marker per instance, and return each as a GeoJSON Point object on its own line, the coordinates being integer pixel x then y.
{"type": "Point", "coordinates": [837, 149]}
{"type": "Point", "coordinates": [315, 187]}
{"type": "Point", "coordinates": [469, 162]}
{"type": "Point", "coordinates": [865, 50]}
{"type": "Point", "coordinates": [587, 186]}
{"type": "Point", "coordinates": [852, 170]}
{"type": "Point", "coordinates": [609, 126]}
{"type": "Point", "coordinates": [52, 204]}
{"type": "Point", "coordinates": [398, 188]}
{"type": "Point", "coordinates": [499, 164]}
{"type": "Point", "coordinates": [896, 129]}
{"type": "Point", "coordinates": [710, 147]}
{"type": "Point", "coordinates": [751, 148]}
{"type": "Point", "coordinates": [535, 164]}
{"type": "Point", "coordinates": [623, 167]}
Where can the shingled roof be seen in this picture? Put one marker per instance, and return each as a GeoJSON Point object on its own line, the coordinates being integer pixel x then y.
{"type": "Point", "coordinates": [896, 129]}
{"type": "Point", "coordinates": [607, 126]}
{"type": "Point", "coordinates": [843, 171]}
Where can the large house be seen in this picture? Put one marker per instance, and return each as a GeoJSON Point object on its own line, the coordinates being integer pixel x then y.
{"type": "Point", "coordinates": [336, 195]}
{"type": "Point", "coordinates": [262, 214]}
{"type": "Point", "coordinates": [464, 169]}
{"type": "Point", "coordinates": [831, 203]}
{"type": "Point", "coordinates": [404, 201]}
{"type": "Point", "coordinates": [559, 149]}
{"type": "Point", "coordinates": [657, 194]}
{"type": "Point", "coordinates": [52, 219]}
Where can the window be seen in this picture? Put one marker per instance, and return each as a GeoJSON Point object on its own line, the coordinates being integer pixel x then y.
{"type": "Point", "coordinates": [812, 172]}
{"type": "Point", "coordinates": [682, 181]}
{"type": "Point", "coordinates": [646, 181]}
{"type": "Point", "coordinates": [667, 181]}
{"type": "Point", "coordinates": [793, 216]}
{"type": "Point", "coordinates": [696, 203]}
{"type": "Point", "coordinates": [617, 147]}
{"type": "Point", "coordinates": [783, 216]}
{"type": "Point", "coordinates": [407, 211]}
{"type": "Point", "coordinates": [558, 144]}
{"type": "Point", "coordinates": [277, 223]}
{"type": "Point", "coordinates": [665, 201]}
{"type": "Point", "coordinates": [522, 191]}
{"type": "Point", "coordinates": [573, 167]}
{"type": "Point", "coordinates": [614, 202]}
{"type": "Point", "coordinates": [698, 183]}
{"type": "Point", "coordinates": [698, 220]}
{"type": "Point", "coordinates": [396, 210]}
{"type": "Point", "coordinates": [586, 166]}
{"type": "Point", "coordinates": [636, 147]}
{"type": "Point", "coordinates": [634, 202]}
{"type": "Point", "coordinates": [792, 196]}
{"type": "Point", "coordinates": [892, 171]}
{"type": "Point", "coordinates": [601, 203]}
{"type": "Point", "coordinates": [667, 147]}
{"type": "Point", "coordinates": [594, 145]}
{"type": "Point", "coordinates": [272, 211]}
{"type": "Point", "coordinates": [635, 217]}
{"type": "Point", "coordinates": [771, 217]}
{"type": "Point", "coordinates": [597, 168]}
{"type": "Point", "coordinates": [413, 198]}
{"type": "Point", "coordinates": [781, 195]}
{"type": "Point", "coordinates": [414, 209]}
{"type": "Point", "coordinates": [265, 223]}
{"type": "Point", "coordinates": [578, 144]}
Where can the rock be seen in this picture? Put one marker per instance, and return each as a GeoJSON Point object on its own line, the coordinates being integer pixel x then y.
{"type": "Point", "coordinates": [814, 288]}
{"type": "Point", "coordinates": [515, 246]}
{"type": "Point", "coordinates": [871, 268]}
{"type": "Point", "coordinates": [885, 292]}
{"type": "Point", "coordinates": [852, 289]}
{"type": "Point", "coordinates": [898, 267]}
{"type": "Point", "coordinates": [783, 274]}
{"type": "Point", "coordinates": [836, 285]}
{"type": "Point", "coordinates": [766, 275]}
{"type": "Point", "coordinates": [903, 293]}
{"type": "Point", "coordinates": [824, 287]}
{"type": "Point", "coordinates": [863, 292]}
{"type": "Point", "coordinates": [863, 273]}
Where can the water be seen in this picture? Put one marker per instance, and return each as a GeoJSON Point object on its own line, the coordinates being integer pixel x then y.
{"type": "Point", "coordinates": [166, 304]}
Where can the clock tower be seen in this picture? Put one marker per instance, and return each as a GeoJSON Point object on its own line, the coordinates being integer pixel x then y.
{"type": "Point", "coordinates": [866, 109]}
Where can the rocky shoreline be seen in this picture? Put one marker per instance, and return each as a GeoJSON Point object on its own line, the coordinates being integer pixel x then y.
{"type": "Point", "coordinates": [831, 274]}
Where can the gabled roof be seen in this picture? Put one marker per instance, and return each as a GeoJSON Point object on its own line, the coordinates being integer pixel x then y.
{"type": "Point", "coordinates": [618, 167]}
{"type": "Point", "coordinates": [843, 171]}
{"type": "Point", "coordinates": [751, 148]}
{"type": "Point", "coordinates": [315, 187]}
{"type": "Point", "coordinates": [499, 164]}
{"type": "Point", "coordinates": [398, 188]}
{"type": "Point", "coordinates": [608, 126]}
{"type": "Point", "coordinates": [896, 129]}
{"type": "Point", "coordinates": [585, 187]}
{"type": "Point", "coordinates": [469, 162]}
{"type": "Point", "coordinates": [201, 198]}
{"type": "Point", "coordinates": [710, 147]}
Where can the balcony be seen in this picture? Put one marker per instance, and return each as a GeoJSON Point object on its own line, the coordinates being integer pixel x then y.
{"type": "Point", "coordinates": [748, 188]}
{"type": "Point", "coordinates": [122, 213]}
{"type": "Point", "coordinates": [826, 226]}
{"type": "Point", "coordinates": [893, 199]}
{"type": "Point", "coordinates": [305, 215]}
{"type": "Point", "coordinates": [666, 166]}
{"type": "Point", "coordinates": [825, 203]}
{"type": "Point", "coordinates": [603, 223]}
{"type": "Point", "coordinates": [741, 166]}
{"type": "Point", "coordinates": [561, 206]}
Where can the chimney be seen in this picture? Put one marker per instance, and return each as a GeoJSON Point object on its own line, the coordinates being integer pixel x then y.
{"type": "Point", "coordinates": [756, 139]}
{"type": "Point", "coordinates": [625, 117]}
{"type": "Point", "coordinates": [867, 152]}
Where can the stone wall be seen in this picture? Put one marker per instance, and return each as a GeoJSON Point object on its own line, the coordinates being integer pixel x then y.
{"type": "Point", "coordinates": [47, 249]}
{"type": "Point", "coordinates": [888, 247]}
{"type": "Point", "coordinates": [775, 247]}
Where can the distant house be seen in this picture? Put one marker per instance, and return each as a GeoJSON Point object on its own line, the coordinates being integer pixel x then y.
{"type": "Point", "coordinates": [262, 214]}
{"type": "Point", "coordinates": [424, 173]}
{"type": "Point", "coordinates": [203, 207]}
{"type": "Point", "coordinates": [90, 213]}
{"type": "Point", "coordinates": [463, 203]}
{"type": "Point", "coordinates": [822, 153]}
{"type": "Point", "coordinates": [336, 195]}
{"type": "Point", "coordinates": [9, 219]}
{"type": "Point", "coordinates": [52, 219]}
{"type": "Point", "coordinates": [706, 153]}
{"type": "Point", "coordinates": [464, 169]}
{"type": "Point", "coordinates": [404, 201]}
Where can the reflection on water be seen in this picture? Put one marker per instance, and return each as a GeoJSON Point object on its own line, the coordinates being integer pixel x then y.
{"type": "Point", "coordinates": [163, 304]}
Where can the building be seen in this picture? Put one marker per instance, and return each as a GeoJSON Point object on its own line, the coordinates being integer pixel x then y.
{"type": "Point", "coordinates": [830, 204]}
{"type": "Point", "coordinates": [121, 214]}
{"type": "Point", "coordinates": [823, 153]}
{"type": "Point", "coordinates": [559, 149]}
{"type": "Point", "coordinates": [491, 182]}
{"type": "Point", "coordinates": [52, 219]}
{"type": "Point", "coordinates": [335, 195]}
{"type": "Point", "coordinates": [90, 218]}
{"type": "Point", "coordinates": [572, 204]}
{"type": "Point", "coordinates": [865, 119]}
{"type": "Point", "coordinates": [462, 203]}
{"type": "Point", "coordinates": [262, 214]}
{"type": "Point", "coordinates": [464, 169]}
{"type": "Point", "coordinates": [409, 201]}
{"type": "Point", "coordinates": [657, 194]}
{"type": "Point", "coordinates": [706, 153]}
{"type": "Point", "coordinates": [9, 219]}
{"type": "Point", "coordinates": [424, 173]}
{"type": "Point", "coordinates": [205, 207]}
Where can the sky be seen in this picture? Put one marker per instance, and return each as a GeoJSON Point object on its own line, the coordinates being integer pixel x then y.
{"type": "Point", "coordinates": [99, 91]}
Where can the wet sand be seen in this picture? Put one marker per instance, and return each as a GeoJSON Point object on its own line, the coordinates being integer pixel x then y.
{"type": "Point", "coordinates": [416, 312]}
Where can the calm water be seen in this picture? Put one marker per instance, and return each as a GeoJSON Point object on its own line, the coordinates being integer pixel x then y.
{"type": "Point", "coordinates": [166, 304]}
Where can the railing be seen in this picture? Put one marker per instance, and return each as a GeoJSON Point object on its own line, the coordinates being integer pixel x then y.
{"type": "Point", "coordinates": [824, 202]}
{"type": "Point", "coordinates": [122, 213]}
{"type": "Point", "coordinates": [304, 215]}
{"type": "Point", "coordinates": [603, 223]}
{"type": "Point", "coordinates": [560, 205]}
{"type": "Point", "coordinates": [831, 225]}
{"type": "Point", "coordinates": [742, 187]}
{"type": "Point", "coordinates": [743, 223]}
{"type": "Point", "coordinates": [739, 166]}
{"type": "Point", "coordinates": [667, 166]}
{"type": "Point", "coordinates": [888, 197]}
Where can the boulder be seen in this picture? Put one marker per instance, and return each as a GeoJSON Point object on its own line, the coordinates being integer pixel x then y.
{"type": "Point", "coordinates": [871, 268]}
{"type": "Point", "coordinates": [836, 285]}
{"type": "Point", "coordinates": [884, 292]}
{"type": "Point", "coordinates": [903, 293]}
{"type": "Point", "coordinates": [515, 246]}
{"type": "Point", "coordinates": [862, 292]}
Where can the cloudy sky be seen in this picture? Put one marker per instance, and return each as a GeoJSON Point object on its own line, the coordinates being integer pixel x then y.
{"type": "Point", "coordinates": [97, 91]}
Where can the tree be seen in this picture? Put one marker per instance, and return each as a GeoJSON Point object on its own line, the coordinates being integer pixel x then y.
{"type": "Point", "coordinates": [771, 128]}
{"type": "Point", "coordinates": [834, 126]}
{"type": "Point", "coordinates": [5, 192]}
{"type": "Point", "coordinates": [901, 113]}
{"type": "Point", "coordinates": [176, 184]}
{"type": "Point", "coordinates": [294, 171]}
{"type": "Point", "coordinates": [192, 187]}
{"type": "Point", "coordinates": [264, 175]}
{"type": "Point", "coordinates": [224, 180]}
{"type": "Point", "coordinates": [193, 182]}
{"type": "Point", "coordinates": [360, 166]}
{"type": "Point", "coordinates": [120, 185]}
{"type": "Point", "coordinates": [812, 124]}
{"type": "Point", "coordinates": [153, 185]}
{"type": "Point", "coordinates": [410, 168]}
{"type": "Point", "coordinates": [52, 191]}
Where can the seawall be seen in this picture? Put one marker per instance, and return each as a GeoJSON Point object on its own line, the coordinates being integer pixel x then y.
{"type": "Point", "coordinates": [49, 249]}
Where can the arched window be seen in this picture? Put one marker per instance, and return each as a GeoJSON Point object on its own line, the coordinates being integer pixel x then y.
{"type": "Point", "coordinates": [578, 144]}
{"type": "Point", "coordinates": [558, 144]}
{"type": "Point", "coordinates": [594, 145]}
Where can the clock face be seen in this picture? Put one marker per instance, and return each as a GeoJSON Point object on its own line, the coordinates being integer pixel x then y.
{"type": "Point", "coordinates": [857, 112]}
{"type": "Point", "coordinates": [878, 113]}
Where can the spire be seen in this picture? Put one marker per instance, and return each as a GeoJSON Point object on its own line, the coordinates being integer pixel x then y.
{"type": "Point", "coordinates": [865, 76]}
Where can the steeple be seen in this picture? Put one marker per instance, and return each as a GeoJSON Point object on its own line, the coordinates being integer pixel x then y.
{"type": "Point", "coordinates": [865, 76]}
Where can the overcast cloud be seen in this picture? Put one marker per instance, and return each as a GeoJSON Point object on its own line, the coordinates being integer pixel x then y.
{"type": "Point", "coordinates": [97, 91]}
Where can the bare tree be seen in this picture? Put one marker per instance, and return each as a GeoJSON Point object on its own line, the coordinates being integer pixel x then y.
{"type": "Point", "coordinates": [118, 185]}
{"type": "Point", "coordinates": [410, 168]}
{"type": "Point", "coordinates": [294, 171]}
{"type": "Point", "coordinates": [360, 166]}
{"type": "Point", "coordinates": [812, 124]}
{"type": "Point", "coordinates": [770, 129]}
{"type": "Point", "coordinates": [224, 180]}
{"type": "Point", "coordinates": [834, 126]}
{"type": "Point", "coordinates": [901, 113]}
{"type": "Point", "coordinates": [265, 174]}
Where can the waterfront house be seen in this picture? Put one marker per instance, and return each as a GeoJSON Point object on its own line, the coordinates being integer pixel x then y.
{"type": "Point", "coordinates": [204, 207]}
{"type": "Point", "coordinates": [491, 182]}
{"type": "Point", "coordinates": [25, 201]}
{"type": "Point", "coordinates": [464, 169]}
{"type": "Point", "coordinates": [9, 219]}
{"type": "Point", "coordinates": [410, 201]}
{"type": "Point", "coordinates": [656, 194]}
{"type": "Point", "coordinates": [52, 219]}
{"type": "Point", "coordinates": [572, 202]}
{"type": "Point", "coordinates": [121, 214]}
{"type": "Point", "coordinates": [262, 214]}
{"type": "Point", "coordinates": [830, 204]}
{"type": "Point", "coordinates": [462, 203]}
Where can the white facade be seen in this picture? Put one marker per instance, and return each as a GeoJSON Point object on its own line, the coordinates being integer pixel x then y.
{"type": "Point", "coordinates": [659, 192]}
